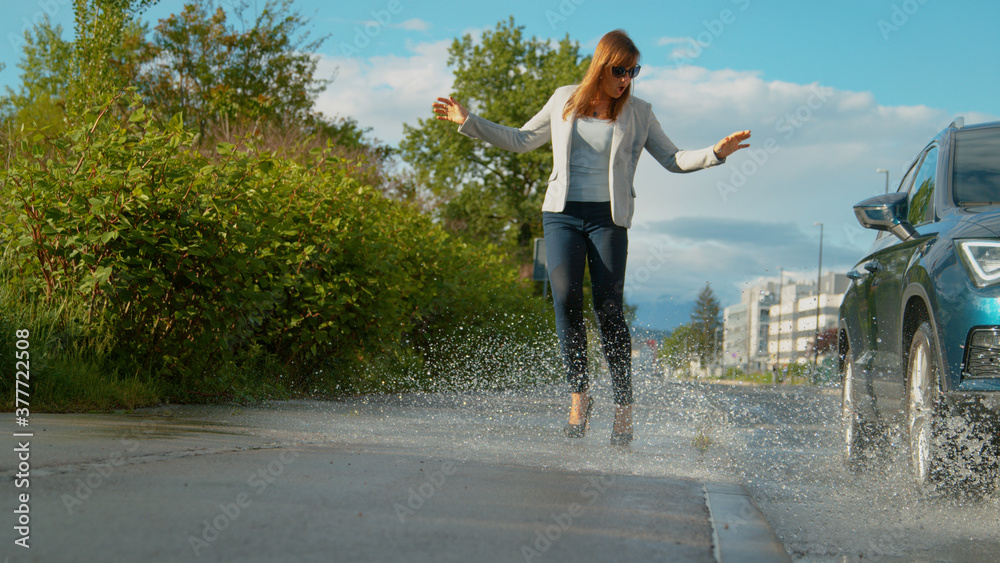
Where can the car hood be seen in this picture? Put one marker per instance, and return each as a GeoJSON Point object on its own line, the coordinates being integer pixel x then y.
{"type": "Point", "coordinates": [975, 221]}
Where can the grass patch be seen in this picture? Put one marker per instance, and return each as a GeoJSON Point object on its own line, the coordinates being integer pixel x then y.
{"type": "Point", "coordinates": [75, 386]}
{"type": "Point", "coordinates": [737, 374]}
{"type": "Point", "coordinates": [702, 441]}
{"type": "Point", "coordinates": [796, 374]}
{"type": "Point", "coordinates": [69, 361]}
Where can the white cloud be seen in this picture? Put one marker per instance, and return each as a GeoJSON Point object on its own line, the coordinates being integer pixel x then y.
{"type": "Point", "coordinates": [683, 50]}
{"type": "Point", "coordinates": [413, 24]}
{"type": "Point", "coordinates": [814, 153]}
{"type": "Point", "coordinates": [383, 92]}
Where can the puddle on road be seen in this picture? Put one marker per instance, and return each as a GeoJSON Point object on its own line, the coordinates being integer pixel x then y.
{"type": "Point", "coordinates": [517, 427]}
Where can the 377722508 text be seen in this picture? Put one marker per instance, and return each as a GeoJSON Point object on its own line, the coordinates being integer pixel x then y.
{"type": "Point", "coordinates": [23, 449]}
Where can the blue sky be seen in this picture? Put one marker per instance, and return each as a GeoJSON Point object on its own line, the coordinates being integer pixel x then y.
{"type": "Point", "coordinates": [831, 90]}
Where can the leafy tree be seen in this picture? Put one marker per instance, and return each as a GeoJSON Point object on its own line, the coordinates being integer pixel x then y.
{"type": "Point", "coordinates": [679, 349]}
{"type": "Point", "coordinates": [101, 30]}
{"type": "Point", "coordinates": [488, 192]}
{"type": "Point", "coordinates": [53, 74]}
{"type": "Point", "coordinates": [44, 79]}
{"type": "Point", "coordinates": [231, 75]}
{"type": "Point", "coordinates": [226, 73]}
{"type": "Point", "coordinates": [706, 325]}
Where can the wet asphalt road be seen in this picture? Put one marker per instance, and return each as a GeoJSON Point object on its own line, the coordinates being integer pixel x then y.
{"type": "Point", "coordinates": [780, 443]}
{"type": "Point", "coordinates": [473, 477]}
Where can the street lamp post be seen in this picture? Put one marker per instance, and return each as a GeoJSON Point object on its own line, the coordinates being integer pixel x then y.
{"type": "Point", "coordinates": [716, 349]}
{"type": "Point", "coordinates": [777, 358]}
{"type": "Point", "coordinates": [886, 172]}
{"type": "Point", "coordinates": [819, 292]}
{"type": "Point", "coordinates": [754, 303]}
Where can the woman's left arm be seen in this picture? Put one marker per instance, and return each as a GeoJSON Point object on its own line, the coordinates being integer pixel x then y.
{"type": "Point", "coordinates": [677, 160]}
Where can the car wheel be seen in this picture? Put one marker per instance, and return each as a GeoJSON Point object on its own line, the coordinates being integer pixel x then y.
{"type": "Point", "coordinates": [860, 436]}
{"type": "Point", "coordinates": [951, 447]}
{"type": "Point", "coordinates": [921, 381]}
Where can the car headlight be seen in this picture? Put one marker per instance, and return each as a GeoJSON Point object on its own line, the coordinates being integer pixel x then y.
{"type": "Point", "coordinates": [981, 259]}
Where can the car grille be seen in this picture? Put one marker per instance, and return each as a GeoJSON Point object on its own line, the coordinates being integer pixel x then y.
{"type": "Point", "coordinates": [983, 354]}
{"type": "Point", "coordinates": [983, 362]}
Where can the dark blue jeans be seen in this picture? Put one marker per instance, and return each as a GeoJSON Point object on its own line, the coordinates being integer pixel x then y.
{"type": "Point", "coordinates": [584, 235]}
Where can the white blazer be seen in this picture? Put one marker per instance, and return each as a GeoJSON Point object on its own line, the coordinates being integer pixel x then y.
{"type": "Point", "coordinates": [636, 128]}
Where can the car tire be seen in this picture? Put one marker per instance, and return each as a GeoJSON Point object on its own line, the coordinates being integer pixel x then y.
{"type": "Point", "coordinates": [921, 397]}
{"type": "Point", "coordinates": [861, 437]}
{"type": "Point", "coordinates": [951, 447]}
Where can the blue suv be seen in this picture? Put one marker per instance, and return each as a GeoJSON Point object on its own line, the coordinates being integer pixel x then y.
{"type": "Point", "coordinates": [919, 329]}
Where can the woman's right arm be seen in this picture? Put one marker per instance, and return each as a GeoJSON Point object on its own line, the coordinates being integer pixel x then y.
{"type": "Point", "coordinates": [531, 135]}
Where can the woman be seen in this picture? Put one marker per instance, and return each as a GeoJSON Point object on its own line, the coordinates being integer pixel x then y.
{"type": "Point", "coordinates": [598, 130]}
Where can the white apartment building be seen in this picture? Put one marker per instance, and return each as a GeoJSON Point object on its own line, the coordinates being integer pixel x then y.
{"type": "Point", "coordinates": [794, 319]}
{"type": "Point", "coordinates": [745, 327]}
{"type": "Point", "coordinates": [769, 326]}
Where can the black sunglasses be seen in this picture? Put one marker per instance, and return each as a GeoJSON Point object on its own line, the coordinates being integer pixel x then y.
{"type": "Point", "coordinates": [620, 71]}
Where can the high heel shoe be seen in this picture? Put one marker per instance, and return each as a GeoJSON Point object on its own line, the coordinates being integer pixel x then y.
{"type": "Point", "coordinates": [621, 438]}
{"type": "Point", "coordinates": [623, 420]}
{"type": "Point", "coordinates": [580, 430]}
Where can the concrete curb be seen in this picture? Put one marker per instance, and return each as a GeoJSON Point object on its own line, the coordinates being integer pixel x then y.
{"type": "Point", "coordinates": [740, 531]}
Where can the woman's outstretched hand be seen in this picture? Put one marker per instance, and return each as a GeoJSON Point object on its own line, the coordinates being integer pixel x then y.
{"type": "Point", "coordinates": [730, 144]}
{"type": "Point", "coordinates": [450, 110]}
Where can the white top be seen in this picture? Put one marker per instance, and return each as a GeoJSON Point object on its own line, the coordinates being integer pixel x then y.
{"type": "Point", "coordinates": [590, 160]}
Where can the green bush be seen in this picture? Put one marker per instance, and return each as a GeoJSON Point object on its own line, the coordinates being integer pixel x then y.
{"type": "Point", "coordinates": [734, 373]}
{"type": "Point", "coordinates": [199, 269]}
{"type": "Point", "coordinates": [795, 373]}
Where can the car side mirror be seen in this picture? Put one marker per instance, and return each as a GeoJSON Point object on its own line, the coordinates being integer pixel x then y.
{"type": "Point", "coordinates": [886, 213]}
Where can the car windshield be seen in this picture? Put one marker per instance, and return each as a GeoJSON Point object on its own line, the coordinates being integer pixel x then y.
{"type": "Point", "coordinates": [976, 173]}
